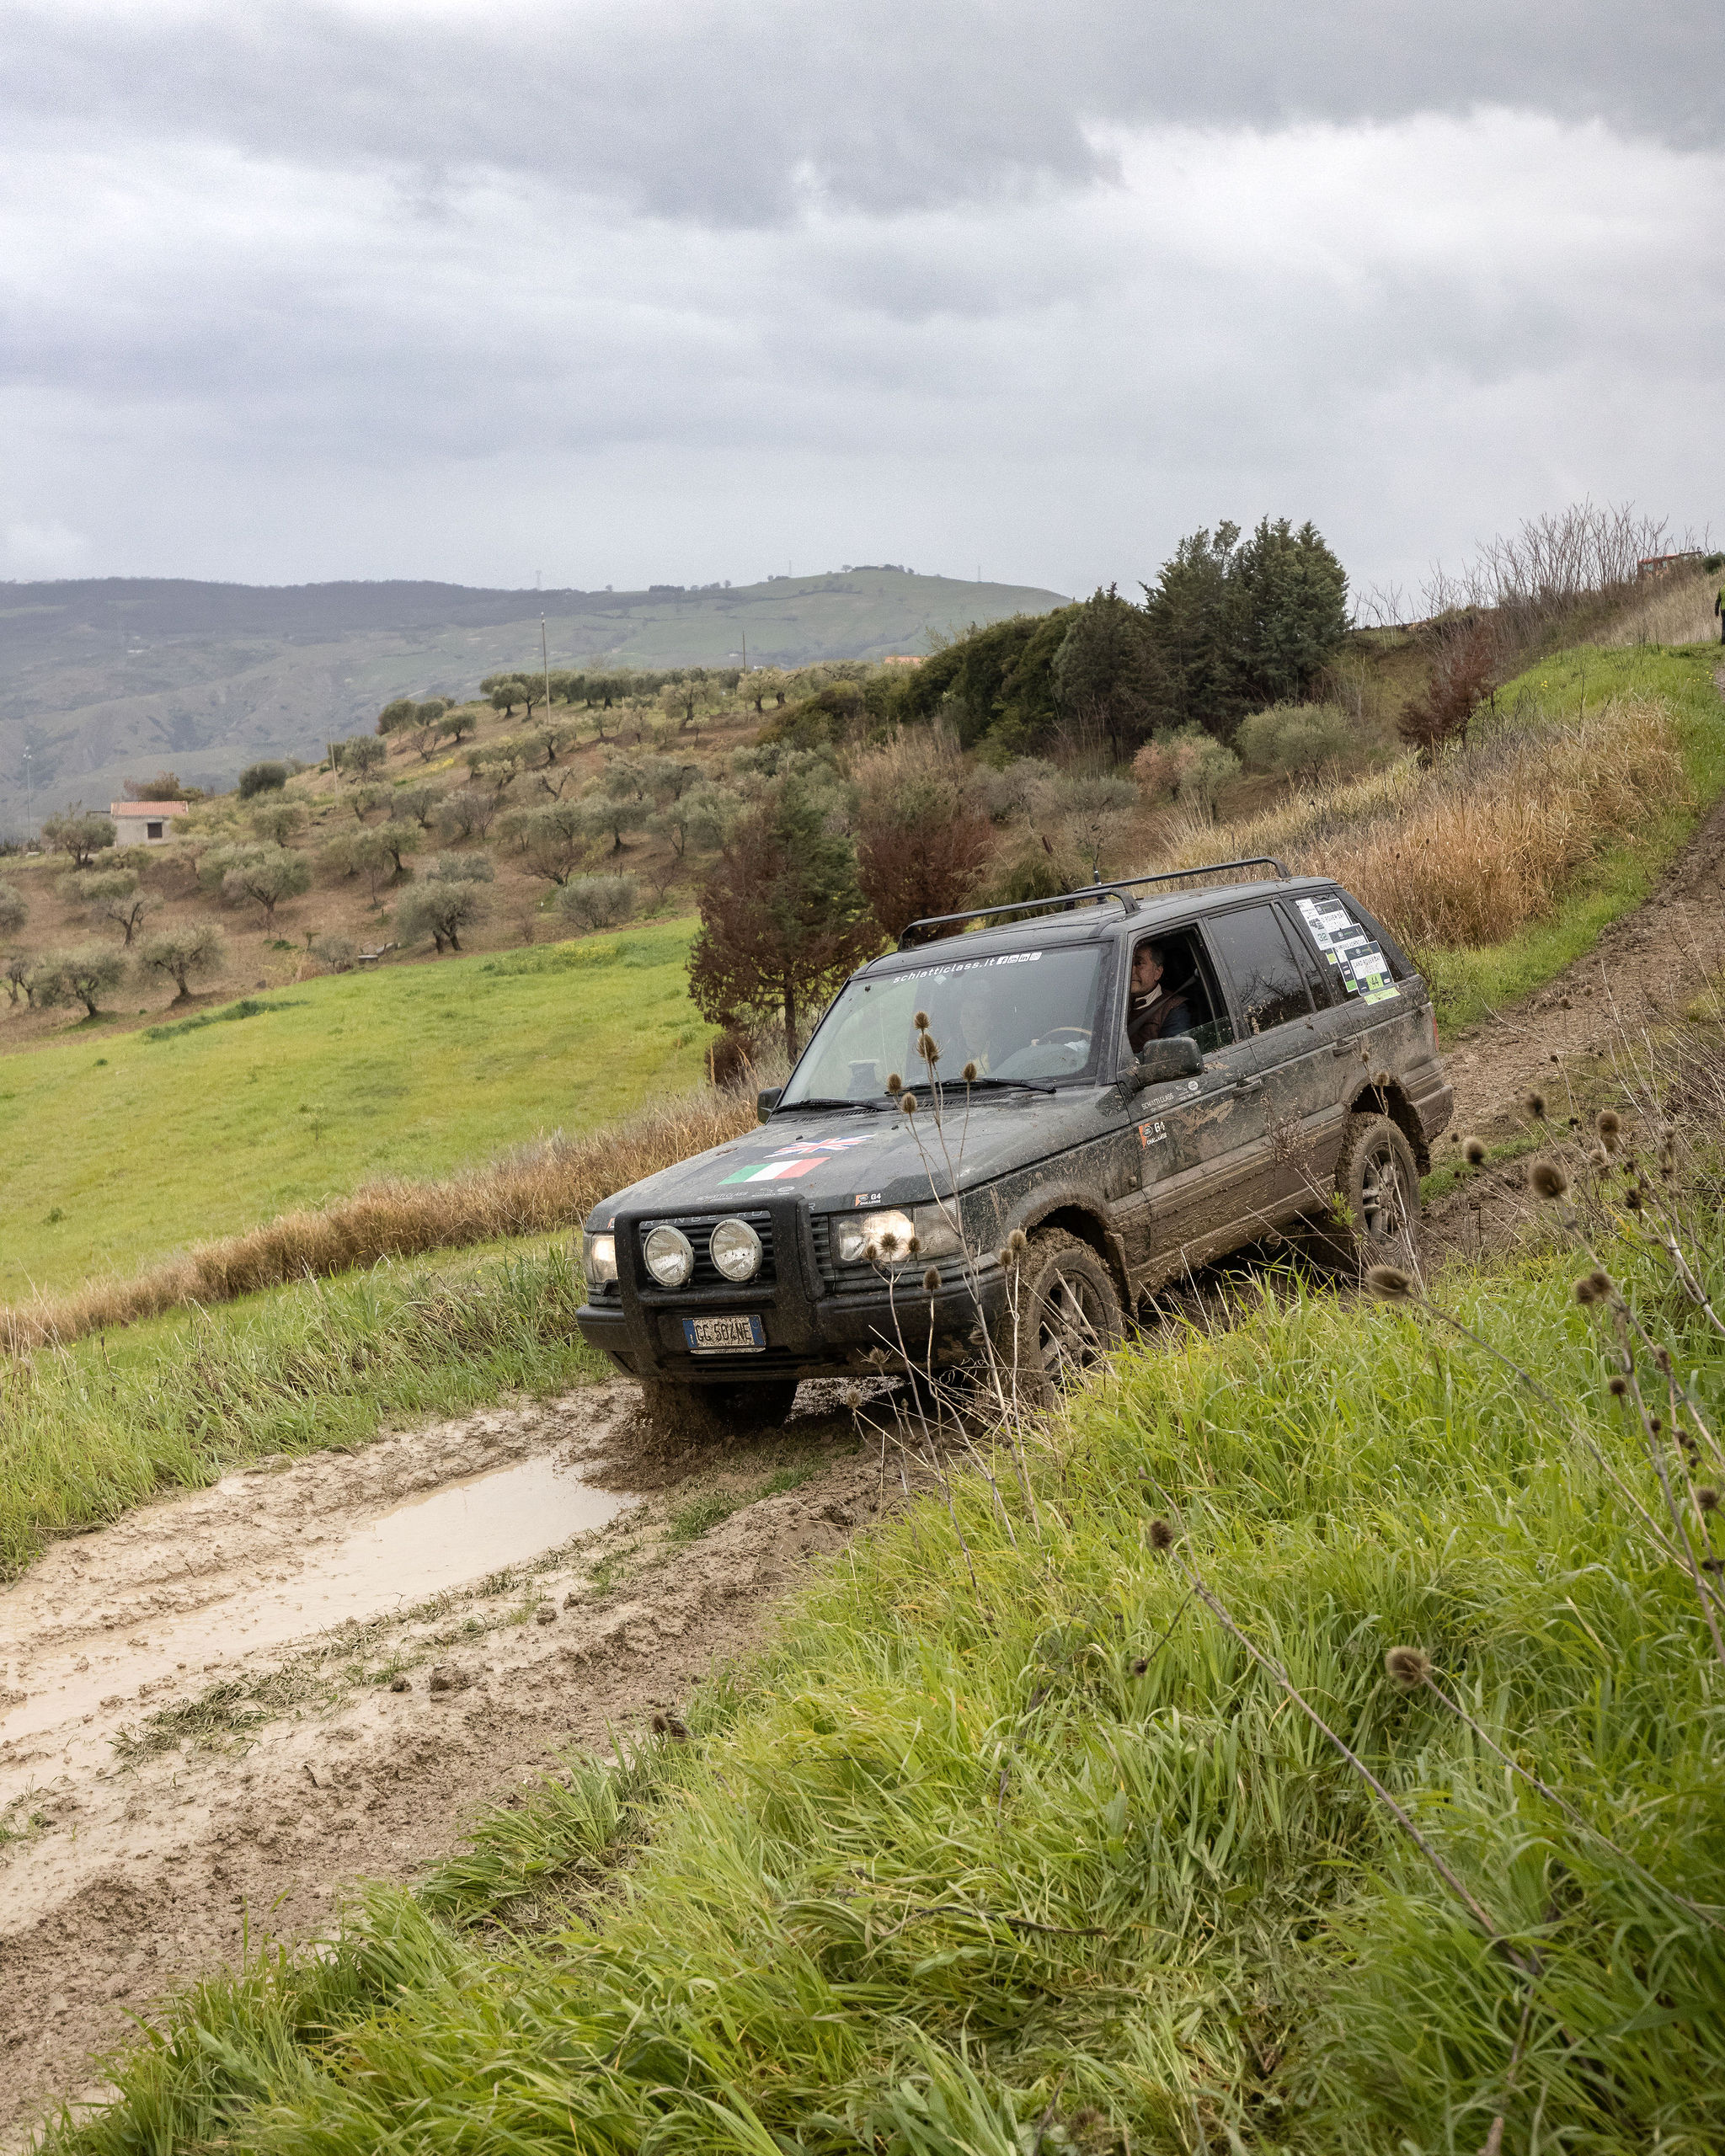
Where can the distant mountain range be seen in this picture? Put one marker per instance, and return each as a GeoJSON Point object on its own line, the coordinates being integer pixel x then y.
{"type": "Point", "coordinates": [106, 678]}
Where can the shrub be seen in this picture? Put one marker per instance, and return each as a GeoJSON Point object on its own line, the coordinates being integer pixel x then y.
{"type": "Point", "coordinates": [1298, 740]}
{"type": "Point", "coordinates": [278, 821]}
{"type": "Point", "coordinates": [14, 910]}
{"type": "Point", "coordinates": [265, 876]}
{"type": "Point", "coordinates": [597, 901]}
{"type": "Point", "coordinates": [336, 952]}
{"type": "Point", "coordinates": [1191, 764]}
{"type": "Point", "coordinates": [360, 752]}
{"type": "Point", "coordinates": [183, 953]}
{"type": "Point", "coordinates": [460, 868]}
{"type": "Point", "coordinates": [262, 778]}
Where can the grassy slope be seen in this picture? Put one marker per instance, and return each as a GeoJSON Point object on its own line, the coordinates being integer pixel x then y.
{"type": "Point", "coordinates": [144, 1145]}
{"type": "Point", "coordinates": [1013, 1831]}
{"type": "Point", "coordinates": [174, 1403]}
{"type": "Point", "coordinates": [1467, 984]}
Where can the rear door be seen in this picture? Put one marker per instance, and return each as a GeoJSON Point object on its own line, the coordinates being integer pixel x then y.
{"type": "Point", "coordinates": [1283, 1058]}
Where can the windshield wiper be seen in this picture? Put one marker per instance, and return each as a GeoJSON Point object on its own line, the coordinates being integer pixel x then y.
{"type": "Point", "coordinates": [796, 1107]}
{"type": "Point", "coordinates": [1011, 1084]}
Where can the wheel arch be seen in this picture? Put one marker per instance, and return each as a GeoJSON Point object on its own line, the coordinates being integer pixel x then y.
{"type": "Point", "coordinates": [1384, 1096]}
{"type": "Point", "coordinates": [1089, 1226]}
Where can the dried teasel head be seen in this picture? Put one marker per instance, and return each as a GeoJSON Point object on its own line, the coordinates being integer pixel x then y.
{"type": "Point", "coordinates": [930, 1279]}
{"type": "Point", "coordinates": [926, 1048]}
{"type": "Point", "coordinates": [1548, 1180]}
{"type": "Point", "coordinates": [1018, 1248]}
{"type": "Point", "coordinates": [895, 1083]}
{"type": "Point", "coordinates": [913, 1244]}
{"type": "Point", "coordinates": [1473, 1151]}
{"type": "Point", "coordinates": [1632, 1197]}
{"type": "Point", "coordinates": [1534, 1104]}
{"type": "Point", "coordinates": [1408, 1666]}
{"type": "Point", "coordinates": [1617, 1386]}
{"type": "Point", "coordinates": [1707, 1497]}
{"type": "Point", "coordinates": [1382, 1080]}
{"type": "Point", "coordinates": [1160, 1534]}
{"type": "Point", "coordinates": [921, 1022]}
{"type": "Point", "coordinates": [889, 1244]}
{"type": "Point", "coordinates": [1610, 1125]}
{"type": "Point", "coordinates": [971, 1074]}
{"type": "Point", "coordinates": [1388, 1283]}
{"type": "Point", "coordinates": [1592, 1287]}
{"type": "Point", "coordinates": [907, 1102]}
{"type": "Point", "coordinates": [669, 1726]}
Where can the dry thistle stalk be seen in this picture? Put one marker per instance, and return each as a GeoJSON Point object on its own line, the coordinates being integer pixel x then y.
{"type": "Point", "coordinates": [907, 1102]}
{"type": "Point", "coordinates": [1609, 1126]}
{"type": "Point", "coordinates": [970, 1074]}
{"type": "Point", "coordinates": [1549, 1180]}
{"type": "Point", "coordinates": [930, 1279]}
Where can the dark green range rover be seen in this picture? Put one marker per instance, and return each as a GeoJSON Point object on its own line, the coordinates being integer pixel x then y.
{"type": "Point", "coordinates": [865, 1224]}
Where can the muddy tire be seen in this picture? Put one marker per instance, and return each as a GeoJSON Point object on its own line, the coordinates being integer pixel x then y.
{"type": "Point", "coordinates": [714, 1414]}
{"type": "Point", "coordinates": [1377, 1182]}
{"type": "Point", "coordinates": [1063, 1317]}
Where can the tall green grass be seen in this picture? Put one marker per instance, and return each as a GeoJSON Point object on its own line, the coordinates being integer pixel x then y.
{"type": "Point", "coordinates": [1467, 985]}
{"type": "Point", "coordinates": [956, 1864]}
{"type": "Point", "coordinates": [88, 1431]}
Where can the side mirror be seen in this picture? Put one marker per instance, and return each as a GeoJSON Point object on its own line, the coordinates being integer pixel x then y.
{"type": "Point", "coordinates": [765, 1102]}
{"type": "Point", "coordinates": [1179, 1057]}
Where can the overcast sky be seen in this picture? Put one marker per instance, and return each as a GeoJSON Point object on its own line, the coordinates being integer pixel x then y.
{"type": "Point", "coordinates": [672, 292]}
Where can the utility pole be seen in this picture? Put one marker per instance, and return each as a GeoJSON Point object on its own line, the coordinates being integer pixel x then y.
{"type": "Point", "coordinates": [745, 651]}
{"type": "Point", "coordinates": [545, 661]}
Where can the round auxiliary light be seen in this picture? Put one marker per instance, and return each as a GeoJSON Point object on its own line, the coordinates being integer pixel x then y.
{"type": "Point", "coordinates": [669, 1255]}
{"type": "Point", "coordinates": [736, 1250]}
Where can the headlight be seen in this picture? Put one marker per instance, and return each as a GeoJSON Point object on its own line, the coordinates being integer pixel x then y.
{"type": "Point", "coordinates": [736, 1250]}
{"type": "Point", "coordinates": [669, 1255]}
{"type": "Point", "coordinates": [886, 1238]}
{"type": "Point", "coordinates": [600, 1259]}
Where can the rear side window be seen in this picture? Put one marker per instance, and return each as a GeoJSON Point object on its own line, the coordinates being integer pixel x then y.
{"type": "Point", "coordinates": [1269, 988]}
{"type": "Point", "coordinates": [1351, 949]}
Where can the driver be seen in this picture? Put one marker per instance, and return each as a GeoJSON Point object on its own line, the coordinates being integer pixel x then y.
{"type": "Point", "coordinates": [1152, 1014]}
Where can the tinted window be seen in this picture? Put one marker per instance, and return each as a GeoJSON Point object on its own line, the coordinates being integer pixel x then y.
{"type": "Point", "coordinates": [1323, 981]}
{"type": "Point", "coordinates": [1364, 962]}
{"type": "Point", "coordinates": [1268, 986]}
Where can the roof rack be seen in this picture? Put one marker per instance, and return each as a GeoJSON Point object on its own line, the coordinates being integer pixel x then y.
{"type": "Point", "coordinates": [1121, 888]}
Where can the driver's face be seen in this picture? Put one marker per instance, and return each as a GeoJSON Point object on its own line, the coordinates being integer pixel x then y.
{"type": "Point", "coordinates": [1147, 970]}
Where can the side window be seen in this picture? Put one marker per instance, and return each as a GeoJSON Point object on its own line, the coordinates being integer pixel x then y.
{"type": "Point", "coordinates": [1321, 979]}
{"type": "Point", "coordinates": [1175, 990]}
{"type": "Point", "coordinates": [1269, 988]}
{"type": "Point", "coordinates": [1351, 946]}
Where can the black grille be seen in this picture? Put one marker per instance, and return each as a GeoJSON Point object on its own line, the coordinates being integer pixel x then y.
{"type": "Point", "coordinates": [699, 1231]}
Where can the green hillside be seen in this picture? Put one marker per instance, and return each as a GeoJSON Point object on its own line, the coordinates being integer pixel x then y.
{"type": "Point", "coordinates": [117, 1150]}
{"type": "Point", "coordinates": [101, 680]}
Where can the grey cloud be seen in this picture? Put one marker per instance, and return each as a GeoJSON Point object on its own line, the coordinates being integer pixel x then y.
{"type": "Point", "coordinates": [725, 112]}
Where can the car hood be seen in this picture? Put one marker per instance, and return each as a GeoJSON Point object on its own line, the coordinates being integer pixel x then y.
{"type": "Point", "coordinates": [835, 1161]}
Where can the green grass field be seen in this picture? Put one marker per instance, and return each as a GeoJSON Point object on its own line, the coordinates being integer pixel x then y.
{"type": "Point", "coordinates": [1012, 1845]}
{"type": "Point", "coordinates": [1467, 984]}
{"type": "Point", "coordinates": [116, 1150]}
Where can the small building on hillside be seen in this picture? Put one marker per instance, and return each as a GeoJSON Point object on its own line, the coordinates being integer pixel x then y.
{"type": "Point", "coordinates": [144, 823]}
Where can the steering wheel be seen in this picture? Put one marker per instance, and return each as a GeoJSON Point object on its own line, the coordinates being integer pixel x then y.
{"type": "Point", "coordinates": [1066, 1037]}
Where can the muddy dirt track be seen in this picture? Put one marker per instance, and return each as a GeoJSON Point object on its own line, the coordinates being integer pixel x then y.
{"type": "Point", "coordinates": [216, 1714]}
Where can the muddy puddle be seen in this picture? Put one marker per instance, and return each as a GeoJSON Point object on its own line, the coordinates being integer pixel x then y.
{"type": "Point", "coordinates": [445, 1538]}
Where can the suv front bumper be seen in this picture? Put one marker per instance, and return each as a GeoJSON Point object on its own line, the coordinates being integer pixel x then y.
{"type": "Point", "coordinates": [819, 1318]}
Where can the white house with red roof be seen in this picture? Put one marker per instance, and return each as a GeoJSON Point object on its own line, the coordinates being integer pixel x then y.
{"type": "Point", "coordinates": [144, 823]}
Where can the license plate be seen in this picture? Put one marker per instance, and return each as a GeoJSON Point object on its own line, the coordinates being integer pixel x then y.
{"type": "Point", "coordinates": [725, 1336]}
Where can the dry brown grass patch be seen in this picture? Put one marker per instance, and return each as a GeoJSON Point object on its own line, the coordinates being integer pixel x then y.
{"type": "Point", "coordinates": [551, 1184]}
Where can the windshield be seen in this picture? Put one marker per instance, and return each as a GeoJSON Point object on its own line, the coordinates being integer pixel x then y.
{"type": "Point", "coordinates": [1020, 1015]}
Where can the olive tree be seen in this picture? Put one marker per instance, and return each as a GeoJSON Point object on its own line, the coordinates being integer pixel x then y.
{"type": "Point", "coordinates": [183, 954]}
{"type": "Point", "coordinates": [14, 910]}
{"type": "Point", "coordinates": [112, 895]}
{"type": "Point", "coordinates": [597, 901]}
{"type": "Point", "coordinates": [264, 877]}
{"type": "Point", "coordinates": [82, 834]}
{"type": "Point", "coordinates": [80, 976]}
{"type": "Point", "coordinates": [440, 910]}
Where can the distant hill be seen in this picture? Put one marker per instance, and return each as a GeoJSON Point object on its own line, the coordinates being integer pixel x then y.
{"type": "Point", "coordinates": [105, 677]}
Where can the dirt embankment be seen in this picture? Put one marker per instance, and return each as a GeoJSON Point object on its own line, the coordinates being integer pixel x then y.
{"type": "Point", "coordinates": [217, 1713]}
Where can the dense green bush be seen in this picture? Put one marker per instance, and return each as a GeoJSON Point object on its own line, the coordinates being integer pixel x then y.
{"type": "Point", "coordinates": [1300, 740]}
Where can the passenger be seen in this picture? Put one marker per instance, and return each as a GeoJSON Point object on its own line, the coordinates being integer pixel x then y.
{"type": "Point", "coordinates": [1152, 1015]}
